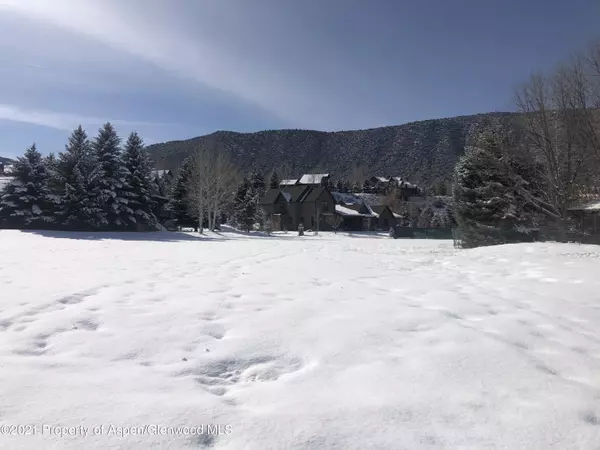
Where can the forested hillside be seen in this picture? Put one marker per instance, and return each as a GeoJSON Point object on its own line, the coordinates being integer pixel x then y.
{"type": "Point", "coordinates": [423, 152]}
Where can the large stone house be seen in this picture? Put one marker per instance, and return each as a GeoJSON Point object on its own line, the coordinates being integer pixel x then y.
{"type": "Point", "coordinates": [309, 205]}
{"type": "Point", "coordinates": [308, 201]}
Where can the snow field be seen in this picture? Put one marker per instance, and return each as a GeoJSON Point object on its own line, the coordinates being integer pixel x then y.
{"type": "Point", "coordinates": [326, 341]}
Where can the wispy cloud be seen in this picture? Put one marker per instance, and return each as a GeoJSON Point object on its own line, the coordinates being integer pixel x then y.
{"type": "Point", "coordinates": [219, 58]}
{"type": "Point", "coordinates": [62, 121]}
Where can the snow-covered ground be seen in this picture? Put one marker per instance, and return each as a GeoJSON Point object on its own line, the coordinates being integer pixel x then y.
{"type": "Point", "coordinates": [296, 343]}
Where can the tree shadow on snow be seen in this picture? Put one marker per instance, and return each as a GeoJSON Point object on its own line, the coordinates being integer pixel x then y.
{"type": "Point", "coordinates": [152, 236]}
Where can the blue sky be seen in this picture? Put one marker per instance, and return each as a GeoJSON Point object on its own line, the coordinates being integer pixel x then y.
{"type": "Point", "coordinates": [174, 69]}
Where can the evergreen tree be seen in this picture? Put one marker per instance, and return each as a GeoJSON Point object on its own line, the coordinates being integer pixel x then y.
{"type": "Point", "coordinates": [258, 183]}
{"type": "Point", "coordinates": [248, 213]}
{"type": "Point", "coordinates": [77, 209]}
{"type": "Point", "coordinates": [139, 182]}
{"type": "Point", "coordinates": [497, 195]}
{"type": "Point", "coordinates": [275, 181]}
{"type": "Point", "coordinates": [347, 186]}
{"type": "Point", "coordinates": [339, 186]}
{"type": "Point", "coordinates": [239, 202]}
{"type": "Point", "coordinates": [358, 187]}
{"type": "Point", "coordinates": [110, 183]}
{"type": "Point", "coordinates": [54, 184]}
{"type": "Point", "coordinates": [26, 202]}
{"type": "Point", "coordinates": [178, 202]}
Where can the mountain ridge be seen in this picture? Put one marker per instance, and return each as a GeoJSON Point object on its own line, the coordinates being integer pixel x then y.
{"type": "Point", "coordinates": [422, 151]}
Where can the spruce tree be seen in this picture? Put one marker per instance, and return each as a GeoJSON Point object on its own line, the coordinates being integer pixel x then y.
{"type": "Point", "coordinates": [275, 181]}
{"type": "Point", "coordinates": [239, 202]}
{"type": "Point", "coordinates": [258, 183]}
{"type": "Point", "coordinates": [54, 185]}
{"type": "Point", "coordinates": [248, 213]}
{"type": "Point", "coordinates": [110, 183]}
{"type": "Point", "coordinates": [78, 209]}
{"type": "Point", "coordinates": [26, 202]}
{"type": "Point", "coordinates": [178, 202]}
{"type": "Point", "coordinates": [339, 186]}
{"type": "Point", "coordinates": [497, 195]}
{"type": "Point", "coordinates": [139, 183]}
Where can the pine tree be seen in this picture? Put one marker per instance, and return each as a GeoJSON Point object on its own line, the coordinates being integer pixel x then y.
{"type": "Point", "coordinates": [26, 202]}
{"type": "Point", "coordinates": [249, 211]}
{"type": "Point", "coordinates": [110, 183]}
{"type": "Point", "coordinates": [139, 183]}
{"type": "Point", "coordinates": [239, 202]}
{"type": "Point", "coordinates": [77, 209]}
{"type": "Point", "coordinates": [258, 183]}
{"type": "Point", "coordinates": [54, 184]}
{"type": "Point", "coordinates": [339, 186]}
{"type": "Point", "coordinates": [275, 181]}
{"type": "Point", "coordinates": [178, 202]}
{"type": "Point", "coordinates": [497, 195]}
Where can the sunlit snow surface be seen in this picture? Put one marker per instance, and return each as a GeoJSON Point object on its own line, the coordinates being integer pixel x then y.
{"type": "Point", "coordinates": [311, 342]}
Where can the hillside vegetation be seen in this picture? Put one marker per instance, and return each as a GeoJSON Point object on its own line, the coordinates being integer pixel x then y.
{"type": "Point", "coordinates": [423, 152]}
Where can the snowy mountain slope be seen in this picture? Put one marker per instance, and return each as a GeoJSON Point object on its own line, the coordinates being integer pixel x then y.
{"type": "Point", "coordinates": [297, 343]}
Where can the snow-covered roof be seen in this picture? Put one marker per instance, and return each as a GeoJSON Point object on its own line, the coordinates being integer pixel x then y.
{"type": "Point", "coordinates": [288, 182]}
{"type": "Point", "coordinates": [343, 211]}
{"type": "Point", "coordinates": [5, 181]}
{"type": "Point", "coordinates": [397, 216]}
{"type": "Point", "coordinates": [347, 198]}
{"type": "Point", "coordinates": [382, 179]}
{"type": "Point", "coordinates": [313, 178]}
{"type": "Point", "coordinates": [8, 168]}
{"type": "Point", "coordinates": [591, 206]}
{"type": "Point", "coordinates": [370, 199]}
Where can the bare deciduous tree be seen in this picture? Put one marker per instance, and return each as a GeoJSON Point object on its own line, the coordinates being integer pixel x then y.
{"type": "Point", "coordinates": [211, 185]}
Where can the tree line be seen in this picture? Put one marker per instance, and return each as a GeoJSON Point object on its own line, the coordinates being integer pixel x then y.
{"type": "Point", "coordinates": [92, 185]}
{"type": "Point", "coordinates": [514, 182]}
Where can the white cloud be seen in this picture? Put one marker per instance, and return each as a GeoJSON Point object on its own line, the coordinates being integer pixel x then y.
{"type": "Point", "coordinates": [161, 32]}
{"type": "Point", "coordinates": [61, 121]}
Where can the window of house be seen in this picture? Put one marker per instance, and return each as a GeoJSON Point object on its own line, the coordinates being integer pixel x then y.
{"type": "Point", "coordinates": [325, 206]}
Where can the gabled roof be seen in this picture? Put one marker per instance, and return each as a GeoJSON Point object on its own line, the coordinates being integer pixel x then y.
{"type": "Point", "coordinates": [314, 194]}
{"type": "Point", "coordinates": [271, 197]}
{"type": "Point", "coordinates": [313, 178]}
{"type": "Point", "coordinates": [370, 199]}
{"type": "Point", "coordinates": [379, 209]}
{"type": "Point", "coordinates": [347, 198]}
{"type": "Point", "coordinates": [294, 192]}
{"type": "Point", "coordinates": [351, 211]}
{"type": "Point", "coordinates": [288, 182]}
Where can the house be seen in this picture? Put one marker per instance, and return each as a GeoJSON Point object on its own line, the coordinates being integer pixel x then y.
{"type": "Point", "coordinates": [315, 179]}
{"type": "Point", "coordinates": [287, 183]}
{"type": "Point", "coordinates": [288, 207]}
{"type": "Point", "coordinates": [383, 185]}
{"type": "Point", "coordinates": [6, 169]}
{"type": "Point", "coordinates": [587, 216]}
{"type": "Point", "coordinates": [162, 173]}
{"type": "Point", "coordinates": [359, 214]}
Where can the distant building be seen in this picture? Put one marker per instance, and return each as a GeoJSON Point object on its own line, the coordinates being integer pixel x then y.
{"type": "Point", "coordinates": [162, 173]}
{"type": "Point", "coordinates": [6, 169]}
{"type": "Point", "coordinates": [308, 179]}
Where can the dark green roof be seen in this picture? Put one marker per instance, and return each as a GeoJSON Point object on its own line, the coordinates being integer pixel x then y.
{"type": "Point", "coordinates": [270, 197]}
